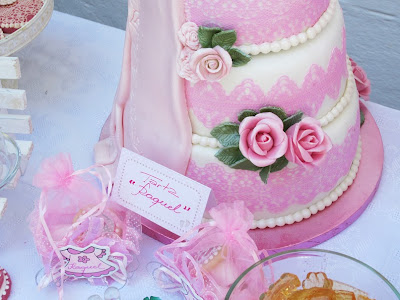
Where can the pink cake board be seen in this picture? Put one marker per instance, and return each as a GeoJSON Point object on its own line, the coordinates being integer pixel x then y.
{"type": "Point", "coordinates": [329, 222]}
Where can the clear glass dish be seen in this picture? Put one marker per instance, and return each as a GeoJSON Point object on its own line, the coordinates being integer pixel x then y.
{"type": "Point", "coordinates": [10, 157]}
{"type": "Point", "coordinates": [345, 271]}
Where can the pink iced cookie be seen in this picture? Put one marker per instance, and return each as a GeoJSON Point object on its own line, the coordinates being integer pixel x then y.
{"type": "Point", "coordinates": [17, 14]}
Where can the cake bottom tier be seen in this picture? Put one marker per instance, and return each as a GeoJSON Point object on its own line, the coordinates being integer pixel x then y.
{"type": "Point", "coordinates": [295, 193]}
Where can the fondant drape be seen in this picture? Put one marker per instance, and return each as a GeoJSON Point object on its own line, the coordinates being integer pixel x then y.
{"type": "Point", "coordinates": [149, 115]}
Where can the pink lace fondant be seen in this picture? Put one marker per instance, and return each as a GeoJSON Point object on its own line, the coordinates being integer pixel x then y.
{"type": "Point", "coordinates": [297, 186]}
{"type": "Point", "coordinates": [318, 83]}
{"type": "Point", "coordinates": [257, 21]}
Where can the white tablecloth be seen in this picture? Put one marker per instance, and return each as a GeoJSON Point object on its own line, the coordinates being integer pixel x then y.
{"type": "Point", "coordinates": [70, 73]}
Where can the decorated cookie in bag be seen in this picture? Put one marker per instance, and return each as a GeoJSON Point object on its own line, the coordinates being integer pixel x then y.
{"type": "Point", "coordinates": [204, 263]}
{"type": "Point", "coordinates": [77, 231]}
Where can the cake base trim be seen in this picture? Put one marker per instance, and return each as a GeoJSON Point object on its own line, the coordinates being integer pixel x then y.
{"type": "Point", "coordinates": [294, 40]}
{"type": "Point", "coordinates": [315, 208]}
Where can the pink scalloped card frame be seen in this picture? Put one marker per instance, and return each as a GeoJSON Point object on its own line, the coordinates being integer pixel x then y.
{"type": "Point", "coordinates": [164, 197]}
{"type": "Point", "coordinates": [89, 262]}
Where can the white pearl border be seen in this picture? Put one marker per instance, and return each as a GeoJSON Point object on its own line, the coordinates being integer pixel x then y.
{"type": "Point", "coordinates": [294, 40]}
{"type": "Point", "coordinates": [211, 142]}
{"type": "Point", "coordinates": [12, 25]}
{"type": "Point", "coordinates": [6, 284]}
{"type": "Point", "coordinates": [319, 206]}
{"type": "Point", "coordinates": [344, 101]}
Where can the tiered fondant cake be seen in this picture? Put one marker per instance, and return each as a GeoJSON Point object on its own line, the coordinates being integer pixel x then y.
{"type": "Point", "coordinates": [255, 99]}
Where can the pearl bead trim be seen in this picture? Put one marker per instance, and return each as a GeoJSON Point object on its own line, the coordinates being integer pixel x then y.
{"type": "Point", "coordinates": [12, 25]}
{"type": "Point", "coordinates": [344, 101]}
{"type": "Point", "coordinates": [325, 120]}
{"type": "Point", "coordinates": [294, 40]}
{"type": "Point", "coordinates": [205, 141]}
{"type": "Point", "coordinates": [319, 206]}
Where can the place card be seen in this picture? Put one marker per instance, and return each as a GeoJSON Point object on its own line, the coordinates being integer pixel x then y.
{"type": "Point", "coordinates": [161, 195]}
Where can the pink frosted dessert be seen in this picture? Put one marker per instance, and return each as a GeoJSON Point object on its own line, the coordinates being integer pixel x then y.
{"type": "Point", "coordinates": [255, 99]}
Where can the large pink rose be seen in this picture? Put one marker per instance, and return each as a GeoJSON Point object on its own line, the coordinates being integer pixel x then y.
{"type": "Point", "coordinates": [211, 64]}
{"type": "Point", "coordinates": [362, 81]}
{"type": "Point", "coordinates": [308, 143]}
{"type": "Point", "coordinates": [262, 139]}
{"type": "Point", "coordinates": [188, 35]}
{"type": "Point", "coordinates": [184, 69]}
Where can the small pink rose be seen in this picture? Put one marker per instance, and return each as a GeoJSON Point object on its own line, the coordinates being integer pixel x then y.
{"type": "Point", "coordinates": [184, 69]}
{"type": "Point", "coordinates": [362, 81]}
{"type": "Point", "coordinates": [211, 64]}
{"type": "Point", "coordinates": [262, 139]}
{"type": "Point", "coordinates": [188, 35]}
{"type": "Point", "coordinates": [308, 143]}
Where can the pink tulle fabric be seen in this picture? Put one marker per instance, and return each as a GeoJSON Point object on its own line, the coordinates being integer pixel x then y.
{"type": "Point", "coordinates": [77, 213]}
{"type": "Point", "coordinates": [213, 255]}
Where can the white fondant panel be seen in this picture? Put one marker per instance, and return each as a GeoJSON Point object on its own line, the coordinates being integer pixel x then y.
{"type": "Point", "coordinates": [266, 69]}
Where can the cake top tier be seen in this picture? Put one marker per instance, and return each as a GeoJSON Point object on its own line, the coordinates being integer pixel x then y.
{"type": "Point", "coordinates": [257, 21]}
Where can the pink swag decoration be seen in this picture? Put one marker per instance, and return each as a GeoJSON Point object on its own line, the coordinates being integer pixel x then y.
{"type": "Point", "coordinates": [308, 143]}
{"type": "Point", "coordinates": [205, 262]}
{"type": "Point", "coordinates": [362, 81]}
{"type": "Point", "coordinates": [74, 211]}
{"type": "Point", "coordinates": [188, 35]}
{"type": "Point", "coordinates": [262, 139]}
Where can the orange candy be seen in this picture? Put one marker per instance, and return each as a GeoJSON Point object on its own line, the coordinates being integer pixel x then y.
{"type": "Point", "coordinates": [316, 286]}
{"type": "Point", "coordinates": [283, 288]}
{"type": "Point", "coordinates": [322, 294]}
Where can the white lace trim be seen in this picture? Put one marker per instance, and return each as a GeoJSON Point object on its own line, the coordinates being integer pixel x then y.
{"type": "Point", "coordinates": [319, 206]}
{"type": "Point", "coordinates": [294, 40]}
{"type": "Point", "coordinates": [206, 141]}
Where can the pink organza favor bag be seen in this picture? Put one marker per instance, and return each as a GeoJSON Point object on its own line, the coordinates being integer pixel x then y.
{"type": "Point", "coordinates": [204, 263]}
{"type": "Point", "coordinates": [73, 210]}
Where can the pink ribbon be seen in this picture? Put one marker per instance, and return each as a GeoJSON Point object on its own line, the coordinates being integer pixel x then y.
{"type": "Point", "coordinates": [194, 281]}
{"type": "Point", "coordinates": [95, 211]}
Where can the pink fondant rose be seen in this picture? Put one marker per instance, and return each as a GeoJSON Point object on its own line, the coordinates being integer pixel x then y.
{"type": "Point", "coordinates": [211, 64]}
{"type": "Point", "coordinates": [184, 69]}
{"type": "Point", "coordinates": [188, 35]}
{"type": "Point", "coordinates": [262, 139]}
{"type": "Point", "coordinates": [308, 143]}
{"type": "Point", "coordinates": [362, 81]}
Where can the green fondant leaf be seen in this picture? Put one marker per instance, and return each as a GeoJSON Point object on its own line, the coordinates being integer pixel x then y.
{"type": "Point", "coordinates": [362, 118]}
{"type": "Point", "coordinates": [279, 164]}
{"type": "Point", "coordinates": [206, 35]}
{"type": "Point", "coordinates": [246, 113]}
{"type": "Point", "coordinates": [227, 134]}
{"type": "Point", "coordinates": [264, 174]}
{"type": "Point", "coordinates": [275, 110]}
{"type": "Point", "coordinates": [245, 164]}
{"type": "Point", "coordinates": [264, 295]}
{"type": "Point", "coordinates": [239, 58]}
{"type": "Point", "coordinates": [229, 155]}
{"type": "Point", "coordinates": [225, 39]}
{"type": "Point", "coordinates": [296, 118]}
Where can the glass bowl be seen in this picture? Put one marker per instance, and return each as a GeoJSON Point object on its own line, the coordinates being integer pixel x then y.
{"type": "Point", "coordinates": [9, 159]}
{"type": "Point", "coordinates": [346, 272]}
